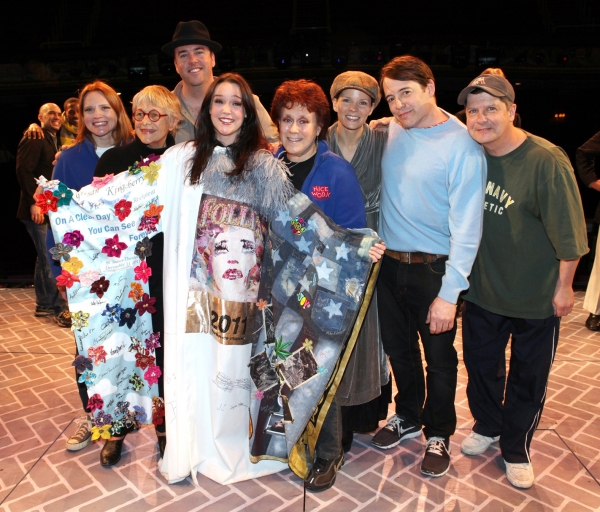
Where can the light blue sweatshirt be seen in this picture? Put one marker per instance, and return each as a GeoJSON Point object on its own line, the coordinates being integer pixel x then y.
{"type": "Point", "coordinates": [432, 194]}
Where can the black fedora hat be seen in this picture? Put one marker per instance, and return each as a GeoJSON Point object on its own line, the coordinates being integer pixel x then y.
{"type": "Point", "coordinates": [191, 32]}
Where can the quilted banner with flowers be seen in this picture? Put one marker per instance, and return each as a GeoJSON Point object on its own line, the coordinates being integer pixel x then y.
{"type": "Point", "coordinates": [103, 235]}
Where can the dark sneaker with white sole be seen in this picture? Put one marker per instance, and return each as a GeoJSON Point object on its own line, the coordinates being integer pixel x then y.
{"type": "Point", "coordinates": [436, 461]}
{"type": "Point", "coordinates": [397, 428]}
{"type": "Point", "coordinates": [322, 475]}
{"type": "Point", "coordinates": [42, 312]}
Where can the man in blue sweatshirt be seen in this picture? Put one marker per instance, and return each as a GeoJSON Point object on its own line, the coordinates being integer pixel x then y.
{"type": "Point", "coordinates": [431, 217]}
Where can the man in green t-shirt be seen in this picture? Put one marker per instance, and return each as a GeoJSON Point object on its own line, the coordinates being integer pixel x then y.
{"type": "Point", "coordinates": [521, 282]}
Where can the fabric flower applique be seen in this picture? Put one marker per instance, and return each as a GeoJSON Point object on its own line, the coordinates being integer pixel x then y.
{"type": "Point", "coordinates": [308, 344]}
{"type": "Point", "coordinates": [123, 209]}
{"type": "Point", "coordinates": [135, 345]}
{"type": "Point", "coordinates": [98, 182]}
{"type": "Point", "coordinates": [46, 202]}
{"type": "Point", "coordinates": [98, 354]}
{"type": "Point", "coordinates": [143, 272]}
{"type": "Point", "coordinates": [87, 378]}
{"type": "Point", "coordinates": [148, 224]}
{"type": "Point", "coordinates": [113, 313]}
{"type": "Point", "coordinates": [143, 249]}
{"type": "Point", "coordinates": [153, 341]}
{"type": "Point", "coordinates": [102, 419]}
{"type": "Point", "coordinates": [127, 317]}
{"type": "Point", "coordinates": [150, 172]}
{"type": "Point", "coordinates": [113, 247]}
{"type": "Point", "coordinates": [63, 194]}
{"type": "Point", "coordinates": [99, 287]}
{"type": "Point", "coordinates": [140, 414]}
{"type": "Point", "coordinates": [73, 238]}
{"type": "Point", "coordinates": [79, 320]}
{"type": "Point", "coordinates": [116, 427]}
{"type": "Point", "coordinates": [150, 158]}
{"type": "Point", "coordinates": [135, 168]}
{"type": "Point", "coordinates": [82, 363]}
{"type": "Point", "coordinates": [121, 408]}
{"type": "Point", "coordinates": [146, 303]}
{"type": "Point", "coordinates": [129, 421]}
{"type": "Point", "coordinates": [258, 395]}
{"type": "Point", "coordinates": [66, 279]}
{"type": "Point", "coordinates": [45, 183]}
{"type": "Point", "coordinates": [136, 381]}
{"type": "Point", "coordinates": [158, 411]}
{"type": "Point", "coordinates": [262, 304]}
{"type": "Point", "coordinates": [152, 374]}
{"type": "Point", "coordinates": [95, 402]}
{"type": "Point", "coordinates": [154, 211]}
{"type": "Point", "coordinates": [137, 290]}
{"type": "Point", "coordinates": [101, 432]}
{"type": "Point", "coordinates": [61, 251]}
{"type": "Point", "coordinates": [321, 369]}
{"type": "Point", "coordinates": [88, 277]}
{"type": "Point", "coordinates": [143, 360]}
{"type": "Point", "coordinates": [74, 265]}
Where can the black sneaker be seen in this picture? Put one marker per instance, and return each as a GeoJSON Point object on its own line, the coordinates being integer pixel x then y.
{"type": "Point", "coordinates": [397, 428]}
{"type": "Point", "coordinates": [42, 312]}
{"type": "Point", "coordinates": [322, 475]}
{"type": "Point", "coordinates": [436, 461]}
{"type": "Point", "coordinates": [63, 319]}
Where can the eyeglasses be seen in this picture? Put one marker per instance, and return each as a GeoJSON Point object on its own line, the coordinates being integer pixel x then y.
{"type": "Point", "coordinates": [153, 115]}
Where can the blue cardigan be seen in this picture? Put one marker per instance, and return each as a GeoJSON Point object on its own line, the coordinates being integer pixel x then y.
{"type": "Point", "coordinates": [75, 168]}
{"type": "Point", "coordinates": [333, 186]}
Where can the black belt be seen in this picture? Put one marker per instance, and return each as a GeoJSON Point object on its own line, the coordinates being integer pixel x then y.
{"type": "Point", "coordinates": [413, 257]}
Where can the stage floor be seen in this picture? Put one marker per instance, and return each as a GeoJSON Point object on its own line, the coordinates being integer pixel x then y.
{"type": "Point", "coordinates": [39, 403]}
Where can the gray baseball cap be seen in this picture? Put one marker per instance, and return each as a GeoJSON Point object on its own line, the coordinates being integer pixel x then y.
{"type": "Point", "coordinates": [495, 85]}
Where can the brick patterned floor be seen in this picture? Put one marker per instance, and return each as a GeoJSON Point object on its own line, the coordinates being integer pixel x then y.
{"type": "Point", "coordinates": [39, 403]}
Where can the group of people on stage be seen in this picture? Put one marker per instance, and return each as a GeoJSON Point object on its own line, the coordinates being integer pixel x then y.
{"type": "Point", "coordinates": [485, 208]}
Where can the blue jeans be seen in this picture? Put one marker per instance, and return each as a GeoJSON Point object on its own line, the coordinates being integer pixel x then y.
{"type": "Point", "coordinates": [329, 444]}
{"type": "Point", "coordinates": [404, 294]}
{"type": "Point", "coordinates": [47, 295]}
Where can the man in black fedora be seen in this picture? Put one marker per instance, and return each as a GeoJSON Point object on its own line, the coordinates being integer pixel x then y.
{"type": "Point", "coordinates": [194, 54]}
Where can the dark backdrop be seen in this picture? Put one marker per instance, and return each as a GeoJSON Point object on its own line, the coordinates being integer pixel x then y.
{"type": "Point", "coordinates": [100, 30]}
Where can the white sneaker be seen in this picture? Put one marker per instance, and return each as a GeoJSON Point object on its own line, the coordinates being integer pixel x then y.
{"type": "Point", "coordinates": [520, 475]}
{"type": "Point", "coordinates": [476, 444]}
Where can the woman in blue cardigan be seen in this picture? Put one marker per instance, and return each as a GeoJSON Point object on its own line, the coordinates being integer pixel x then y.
{"type": "Point", "coordinates": [103, 124]}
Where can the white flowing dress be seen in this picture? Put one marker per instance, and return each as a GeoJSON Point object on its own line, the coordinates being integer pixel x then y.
{"type": "Point", "coordinates": [207, 422]}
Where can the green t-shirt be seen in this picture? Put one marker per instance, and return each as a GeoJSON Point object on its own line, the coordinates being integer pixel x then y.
{"type": "Point", "coordinates": [532, 219]}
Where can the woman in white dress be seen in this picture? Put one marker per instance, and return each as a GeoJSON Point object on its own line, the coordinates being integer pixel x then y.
{"type": "Point", "coordinates": [219, 192]}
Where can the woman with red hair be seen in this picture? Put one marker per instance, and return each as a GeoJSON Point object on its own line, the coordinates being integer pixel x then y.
{"type": "Point", "coordinates": [300, 110]}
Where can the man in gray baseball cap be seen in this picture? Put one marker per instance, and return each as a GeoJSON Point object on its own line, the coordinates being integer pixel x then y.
{"type": "Point", "coordinates": [521, 282]}
{"type": "Point", "coordinates": [193, 52]}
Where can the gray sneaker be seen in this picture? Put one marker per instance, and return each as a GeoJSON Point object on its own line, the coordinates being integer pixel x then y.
{"type": "Point", "coordinates": [82, 436]}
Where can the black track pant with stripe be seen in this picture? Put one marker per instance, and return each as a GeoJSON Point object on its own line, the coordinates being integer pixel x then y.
{"type": "Point", "coordinates": [507, 407]}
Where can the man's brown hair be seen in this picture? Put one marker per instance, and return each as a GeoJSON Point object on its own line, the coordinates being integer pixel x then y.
{"type": "Point", "coordinates": [407, 68]}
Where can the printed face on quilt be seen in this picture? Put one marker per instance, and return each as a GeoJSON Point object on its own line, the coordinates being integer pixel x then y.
{"type": "Point", "coordinates": [229, 250]}
{"type": "Point", "coordinates": [233, 262]}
